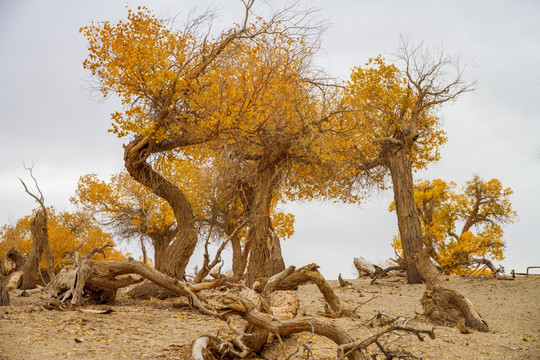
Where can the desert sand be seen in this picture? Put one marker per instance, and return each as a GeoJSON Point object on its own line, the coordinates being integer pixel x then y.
{"type": "Point", "coordinates": [162, 329]}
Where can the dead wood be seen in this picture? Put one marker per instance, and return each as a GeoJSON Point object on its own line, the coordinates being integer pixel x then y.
{"type": "Point", "coordinates": [445, 306]}
{"type": "Point", "coordinates": [13, 261]}
{"type": "Point", "coordinates": [487, 263]}
{"type": "Point", "coordinates": [14, 280]}
{"type": "Point", "coordinates": [41, 231]}
{"type": "Point", "coordinates": [345, 349]}
{"type": "Point", "coordinates": [284, 304]}
{"type": "Point", "coordinates": [242, 346]}
{"type": "Point", "coordinates": [100, 281]}
{"type": "Point", "coordinates": [386, 271]}
{"type": "Point", "coordinates": [239, 301]}
{"type": "Point", "coordinates": [363, 266]}
{"type": "Point", "coordinates": [148, 290]}
{"type": "Point", "coordinates": [343, 283]}
{"type": "Point", "coordinates": [308, 274]}
{"type": "Point", "coordinates": [38, 228]}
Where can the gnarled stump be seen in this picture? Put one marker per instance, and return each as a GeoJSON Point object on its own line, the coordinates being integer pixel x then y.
{"type": "Point", "coordinates": [445, 306]}
{"type": "Point", "coordinates": [13, 261]}
{"type": "Point", "coordinates": [94, 278]}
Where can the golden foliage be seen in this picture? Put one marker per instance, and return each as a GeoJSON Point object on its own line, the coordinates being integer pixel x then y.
{"type": "Point", "coordinates": [123, 204]}
{"type": "Point", "coordinates": [385, 110]}
{"type": "Point", "coordinates": [481, 209]}
{"type": "Point", "coordinates": [68, 232]}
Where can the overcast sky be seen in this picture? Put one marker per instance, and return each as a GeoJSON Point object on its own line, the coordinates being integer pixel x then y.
{"type": "Point", "coordinates": [48, 117]}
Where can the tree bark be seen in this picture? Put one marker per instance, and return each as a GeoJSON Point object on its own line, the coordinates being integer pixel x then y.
{"type": "Point", "coordinates": [30, 268]}
{"type": "Point", "coordinates": [265, 257]}
{"type": "Point", "coordinates": [178, 253]}
{"type": "Point", "coordinates": [147, 290]}
{"type": "Point", "coordinates": [13, 261]}
{"type": "Point", "coordinates": [410, 230]}
{"type": "Point", "coordinates": [143, 249]}
{"type": "Point", "coordinates": [239, 258]}
{"type": "Point", "coordinates": [4, 295]}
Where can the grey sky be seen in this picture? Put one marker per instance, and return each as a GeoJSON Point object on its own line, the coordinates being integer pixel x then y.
{"type": "Point", "coordinates": [47, 115]}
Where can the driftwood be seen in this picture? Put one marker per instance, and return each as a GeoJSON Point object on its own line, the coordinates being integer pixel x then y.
{"type": "Point", "coordinates": [206, 346]}
{"type": "Point", "coordinates": [14, 280]}
{"type": "Point", "coordinates": [343, 283]}
{"type": "Point", "coordinates": [445, 306]}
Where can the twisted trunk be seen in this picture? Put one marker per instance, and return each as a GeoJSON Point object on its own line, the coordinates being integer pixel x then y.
{"type": "Point", "coordinates": [161, 241]}
{"type": "Point", "coordinates": [410, 230]}
{"type": "Point", "coordinates": [176, 256]}
{"type": "Point", "coordinates": [265, 257]}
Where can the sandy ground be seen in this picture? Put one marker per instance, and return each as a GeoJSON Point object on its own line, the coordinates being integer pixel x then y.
{"type": "Point", "coordinates": [156, 329]}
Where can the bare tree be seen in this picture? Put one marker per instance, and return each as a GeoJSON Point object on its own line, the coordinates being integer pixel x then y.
{"type": "Point", "coordinates": [40, 240]}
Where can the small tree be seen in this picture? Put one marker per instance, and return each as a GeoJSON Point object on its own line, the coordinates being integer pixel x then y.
{"type": "Point", "coordinates": [40, 243]}
{"type": "Point", "coordinates": [463, 226]}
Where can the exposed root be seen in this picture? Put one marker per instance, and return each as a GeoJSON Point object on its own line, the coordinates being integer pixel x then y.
{"type": "Point", "coordinates": [445, 306]}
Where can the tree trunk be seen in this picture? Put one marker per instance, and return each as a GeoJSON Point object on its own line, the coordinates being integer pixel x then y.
{"type": "Point", "coordinates": [143, 249]}
{"type": "Point", "coordinates": [48, 254]}
{"type": "Point", "coordinates": [161, 243]}
{"type": "Point", "coordinates": [239, 258]}
{"type": "Point", "coordinates": [30, 268]}
{"type": "Point", "coordinates": [178, 253]}
{"type": "Point", "coordinates": [410, 230]}
{"type": "Point", "coordinates": [265, 257]}
{"type": "Point", "coordinates": [4, 296]}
